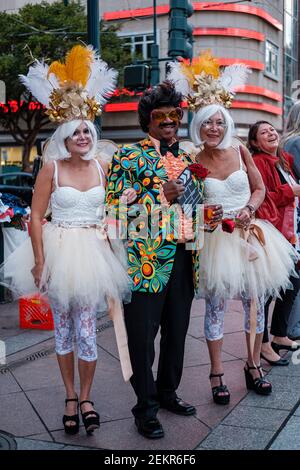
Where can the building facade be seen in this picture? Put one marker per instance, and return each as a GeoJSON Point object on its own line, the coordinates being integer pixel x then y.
{"type": "Point", "coordinates": [263, 35]}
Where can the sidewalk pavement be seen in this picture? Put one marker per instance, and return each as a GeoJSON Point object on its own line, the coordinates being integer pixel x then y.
{"type": "Point", "coordinates": [32, 395]}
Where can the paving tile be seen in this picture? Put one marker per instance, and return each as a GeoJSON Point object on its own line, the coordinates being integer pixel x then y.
{"type": "Point", "coordinates": [181, 433]}
{"type": "Point", "coordinates": [50, 403]}
{"type": "Point", "coordinates": [235, 344]}
{"type": "Point", "coordinates": [255, 418]}
{"type": "Point", "coordinates": [8, 383]}
{"type": "Point", "coordinates": [198, 308]}
{"type": "Point", "coordinates": [279, 399]}
{"type": "Point", "coordinates": [44, 436]}
{"type": "Point", "coordinates": [26, 340]}
{"type": "Point", "coordinates": [196, 353]}
{"type": "Point", "coordinates": [29, 444]}
{"type": "Point", "coordinates": [212, 414]}
{"type": "Point", "coordinates": [18, 417]}
{"type": "Point", "coordinates": [287, 383]}
{"type": "Point", "coordinates": [236, 438]}
{"type": "Point", "coordinates": [291, 370]}
{"type": "Point", "coordinates": [289, 437]}
{"type": "Point", "coordinates": [106, 339]}
{"type": "Point", "coordinates": [297, 412]}
{"type": "Point", "coordinates": [195, 385]}
{"type": "Point", "coordinates": [43, 372]}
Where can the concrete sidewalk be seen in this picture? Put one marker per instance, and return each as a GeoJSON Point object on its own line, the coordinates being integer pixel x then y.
{"type": "Point", "coordinates": [32, 395]}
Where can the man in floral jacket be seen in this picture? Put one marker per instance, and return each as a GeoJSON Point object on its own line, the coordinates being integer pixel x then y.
{"type": "Point", "coordinates": [163, 272]}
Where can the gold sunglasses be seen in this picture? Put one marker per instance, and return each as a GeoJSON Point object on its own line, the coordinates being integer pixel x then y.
{"type": "Point", "coordinates": [160, 116]}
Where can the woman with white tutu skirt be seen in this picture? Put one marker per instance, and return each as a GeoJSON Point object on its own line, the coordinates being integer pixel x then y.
{"type": "Point", "coordinates": [71, 259]}
{"type": "Point", "coordinates": [245, 258]}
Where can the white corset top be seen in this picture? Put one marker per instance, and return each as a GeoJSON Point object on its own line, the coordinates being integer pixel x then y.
{"type": "Point", "coordinates": [73, 208]}
{"type": "Point", "coordinates": [233, 193]}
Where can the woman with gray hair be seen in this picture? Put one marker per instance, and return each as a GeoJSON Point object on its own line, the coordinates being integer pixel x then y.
{"type": "Point", "coordinates": [246, 259]}
{"type": "Point", "coordinates": [70, 258]}
{"type": "Point", "coordinates": [247, 263]}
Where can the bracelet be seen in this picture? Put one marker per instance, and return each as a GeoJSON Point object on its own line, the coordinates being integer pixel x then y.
{"type": "Point", "coordinates": [251, 209]}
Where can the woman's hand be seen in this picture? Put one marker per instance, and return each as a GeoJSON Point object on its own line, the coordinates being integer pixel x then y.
{"type": "Point", "coordinates": [37, 271]}
{"type": "Point", "coordinates": [244, 218]}
{"type": "Point", "coordinates": [128, 196]}
{"type": "Point", "coordinates": [296, 189]}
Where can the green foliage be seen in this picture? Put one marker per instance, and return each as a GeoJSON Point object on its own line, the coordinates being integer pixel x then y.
{"type": "Point", "coordinates": [48, 30]}
{"type": "Point", "coordinates": [44, 31]}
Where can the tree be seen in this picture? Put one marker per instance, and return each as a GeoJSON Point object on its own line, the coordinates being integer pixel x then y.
{"type": "Point", "coordinates": [37, 31]}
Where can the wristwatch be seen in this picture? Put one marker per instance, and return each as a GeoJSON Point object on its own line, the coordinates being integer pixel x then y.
{"type": "Point", "coordinates": [251, 209]}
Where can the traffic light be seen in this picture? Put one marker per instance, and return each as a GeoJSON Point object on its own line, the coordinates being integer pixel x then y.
{"type": "Point", "coordinates": [180, 30]}
{"type": "Point", "coordinates": [136, 77]}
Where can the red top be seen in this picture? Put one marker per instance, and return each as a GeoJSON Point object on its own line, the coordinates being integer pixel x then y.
{"type": "Point", "coordinates": [278, 206]}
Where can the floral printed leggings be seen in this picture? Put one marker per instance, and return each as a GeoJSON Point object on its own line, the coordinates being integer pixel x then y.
{"type": "Point", "coordinates": [214, 317]}
{"type": "Point", "coordinates": [75, 325]}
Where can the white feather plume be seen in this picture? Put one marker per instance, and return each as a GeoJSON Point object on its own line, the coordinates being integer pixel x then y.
{"type": "Point", "coordinates": [234, 76]}
{"type": "Point", "coordinates": [102, 80]}
{"type": "Point", "coordinates": [179, 79]}
{"type": "Point", "coordinates": [38, 83]}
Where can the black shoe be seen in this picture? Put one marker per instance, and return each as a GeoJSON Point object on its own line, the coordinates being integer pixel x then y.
{"type": "Point", "coordinates": [279, 362]}
{"type": "Point", "coordinates": [71, 428]}
{"type": "Point", "coordinates": [178, 406]}
{"type": "Point", "coordinates": [149, 427]}
{"type": "Point", "coordinates": [277, 347]}
{"type": "Point", "coordinates": [90, 419]}
{"type": "Point", "coordinates": [260, 385]}
{"type": "Point", "coordinates": [219, 390]}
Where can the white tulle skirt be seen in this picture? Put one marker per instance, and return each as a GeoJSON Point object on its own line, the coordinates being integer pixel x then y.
{"type": "Point", "coordinates": [254, 264]}
{"type": "Point", "coordinates": [80, 267]}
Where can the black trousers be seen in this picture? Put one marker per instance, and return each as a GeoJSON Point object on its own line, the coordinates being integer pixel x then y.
{"type": "Point", "coordinates": [169, 310]}
{"type": "Point", "coordinates": [282, 310]}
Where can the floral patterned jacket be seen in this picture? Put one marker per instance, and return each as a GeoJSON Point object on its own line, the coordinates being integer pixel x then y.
{"type": "Point", "coordinates": [150, 258]}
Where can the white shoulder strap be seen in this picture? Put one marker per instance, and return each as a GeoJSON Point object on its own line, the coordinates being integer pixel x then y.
{"type": "Point", "coordinates": [101, 173]}
{"type": "Point", "coordinates": [55, 175]}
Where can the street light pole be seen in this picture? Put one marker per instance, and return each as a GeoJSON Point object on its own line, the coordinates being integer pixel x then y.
{"type": "Point", "coordinates": [93, 18]}
{"type": "Point", "coordinates": [93, 27]}
{"type": "Point", "coordinates": [154, 50]}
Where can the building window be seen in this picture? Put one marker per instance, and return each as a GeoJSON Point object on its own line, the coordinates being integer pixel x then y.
{"type": "Point", "coordinates": [139, 45]}
{"type": "Point", "coordinates": [291, 63]}
{"type": "Point", "coordinates": [272, 60]}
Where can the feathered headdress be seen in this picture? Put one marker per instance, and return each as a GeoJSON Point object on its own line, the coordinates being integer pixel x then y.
{"type": "Point", "coordinates": [74, 89]}
{"type": "Point", "coordinates": [202, 83]}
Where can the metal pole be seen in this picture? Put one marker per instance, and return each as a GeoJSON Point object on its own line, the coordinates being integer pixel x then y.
{"type": "Point", "coordinates": [93, 27]}
{"type": "Point", "coordinates": [93, 18]}
{"type": "Point", "coordinates": [154, 50]}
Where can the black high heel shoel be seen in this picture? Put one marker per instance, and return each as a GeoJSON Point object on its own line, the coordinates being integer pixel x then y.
{"type": "Point", "coordinates": [218, 390]}
{"type": "Point", "coordinates": [90, 419]}
{"type": "Point", "coordinates": [71, 428]}
{"type": "Point", "coordinates": [258, 384]}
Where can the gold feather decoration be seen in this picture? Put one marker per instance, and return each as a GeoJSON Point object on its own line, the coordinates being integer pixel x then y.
{"type": "Point", "coordinates": [77, 66]}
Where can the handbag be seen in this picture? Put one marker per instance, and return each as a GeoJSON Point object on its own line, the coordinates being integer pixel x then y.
{"type": "Point", "coordinates": [288, 224]}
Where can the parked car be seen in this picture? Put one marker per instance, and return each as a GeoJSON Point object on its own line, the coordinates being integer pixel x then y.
{"type": "Point", "coordinates": [19, 184]}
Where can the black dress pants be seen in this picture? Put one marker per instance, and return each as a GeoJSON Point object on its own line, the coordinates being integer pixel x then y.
{"type": "Point", "coordinates": [170, 310]}
{"type": "Point", "coordinates": [282, 310]}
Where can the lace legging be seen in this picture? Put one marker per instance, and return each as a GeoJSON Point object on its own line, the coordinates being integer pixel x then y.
{"type": "Point", "coordinates": [214, 317]}
{"type": "Point", "coordinates": [77, 324]}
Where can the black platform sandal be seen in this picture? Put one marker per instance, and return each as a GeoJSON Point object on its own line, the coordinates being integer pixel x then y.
{"type": "Point", "coordinates": [216, 391]}
{"type": "Point", "coordinates": [71, 428]}
{"type": "Point", "coordinates": [258, 384]}
{"type": "Point", "coordinates": [90, 419]}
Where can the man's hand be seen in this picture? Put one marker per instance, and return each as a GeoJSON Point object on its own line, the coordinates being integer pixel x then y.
{"type": "Point", "coordinates": [173, 189]}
